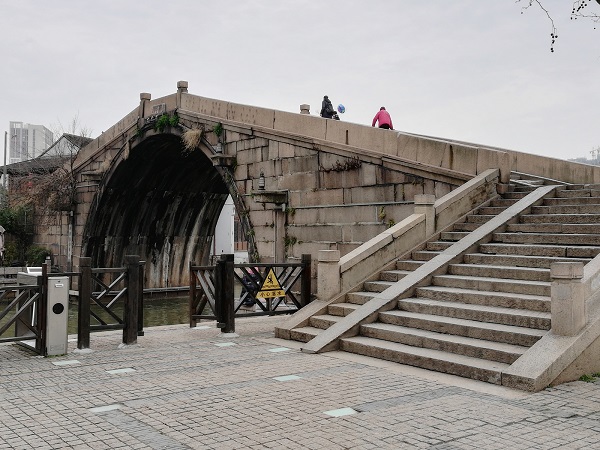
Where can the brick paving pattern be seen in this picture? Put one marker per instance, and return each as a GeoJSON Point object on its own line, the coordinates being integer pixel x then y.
{"type": "Point", "coordinates": [192, 389]}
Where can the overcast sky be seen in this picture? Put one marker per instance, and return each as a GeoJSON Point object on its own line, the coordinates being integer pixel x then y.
{"type": "Point", "coordinates": [472, 70]}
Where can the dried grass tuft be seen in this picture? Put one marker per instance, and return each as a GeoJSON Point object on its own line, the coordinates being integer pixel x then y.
{"type": "Point", "coordinates": [191, 139]}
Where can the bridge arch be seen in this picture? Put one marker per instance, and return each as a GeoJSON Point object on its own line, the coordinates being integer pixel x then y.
{"type": "Point", "coordinates": [160, 201]}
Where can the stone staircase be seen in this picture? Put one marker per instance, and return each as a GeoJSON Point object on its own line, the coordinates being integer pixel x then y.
{"type": "Point", "coordinates": [485, 311]}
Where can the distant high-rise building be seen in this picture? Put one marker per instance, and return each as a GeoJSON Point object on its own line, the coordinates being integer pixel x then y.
{"type": "Point", "coordinates": [27, 141]}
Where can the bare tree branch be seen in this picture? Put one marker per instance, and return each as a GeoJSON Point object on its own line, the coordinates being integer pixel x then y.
{"type": "Point", "coordinates": [554, 32]}
{"type": "Point", "coordinates": [579, 10]}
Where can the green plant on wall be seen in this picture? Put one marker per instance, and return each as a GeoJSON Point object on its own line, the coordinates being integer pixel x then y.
{"type": "Point", "coordinates": [218, 129]}
{"type": "Point", "coordinates": [381, 215]}
{"type": "Point", "coordinates": [165, 121]}
{"type": "Point", "coordinates": [290, 241]}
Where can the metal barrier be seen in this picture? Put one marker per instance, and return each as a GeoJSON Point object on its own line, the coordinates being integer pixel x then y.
{"type": "Point", "coordinates": [268, 288]}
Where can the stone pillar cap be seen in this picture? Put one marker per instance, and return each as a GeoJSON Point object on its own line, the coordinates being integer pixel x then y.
{"type": "Point", "coordinates": [424, 199]}
{"type": "Point", "coordinates": [329, 255]}
{"type": "Point", "coordinates": [145, 96]}
{"type": "Point", "coordinates": [566, 270]}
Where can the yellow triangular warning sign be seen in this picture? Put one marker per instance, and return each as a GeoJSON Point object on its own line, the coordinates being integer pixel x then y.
{"type": "Point", "coordinates": [270, 287]}
{"type": "Point", "coordinates": [271, 282]}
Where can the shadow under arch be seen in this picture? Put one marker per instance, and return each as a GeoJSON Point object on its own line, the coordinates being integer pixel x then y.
{"type": "Point", "coordinates": [160, 202]}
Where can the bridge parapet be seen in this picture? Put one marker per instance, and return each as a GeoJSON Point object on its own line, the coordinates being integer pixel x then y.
{"type": "Point", "coordinates": [345, 183]}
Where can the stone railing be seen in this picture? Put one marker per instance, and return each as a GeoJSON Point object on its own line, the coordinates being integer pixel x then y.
{"type": "Point", "coordinates": [567, 350]}
{"type": "Point", "coordinates": [337, 274]}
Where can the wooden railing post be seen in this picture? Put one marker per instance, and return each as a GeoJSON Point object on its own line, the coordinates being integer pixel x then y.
{"type": "Point", "coordinates": [305, 283]}
{"type": "Point", "coordinates": [224, 306]}
{"type": "Point", "coordinates": [228, 302]}
{"type": "Point", "coordinates": [140, 328]}
{"type": "Point", "coordinates": [219, 287]}
{"type": "Point", "coordinates": [83, 309]}
{"type": "Point", "coordinates": [130, 311]}
{"type": "Point", "coordinates": [192, 297]}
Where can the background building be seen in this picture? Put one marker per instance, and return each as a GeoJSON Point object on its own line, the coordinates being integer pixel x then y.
{"type": "Point", "coordinates": [27, 141]}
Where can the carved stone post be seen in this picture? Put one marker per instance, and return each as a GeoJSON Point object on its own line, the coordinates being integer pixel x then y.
{"type": "Point", "coordinates": [328, 274]}
{"type": "Point", "coordinates": [144, 99]}
{"type": "Point", "coordinates": [424, 204]}
{"type": "Point", "coordinates": [567, 306]}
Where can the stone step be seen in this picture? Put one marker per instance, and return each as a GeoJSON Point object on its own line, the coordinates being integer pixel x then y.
{"type": "Point", "coordinates": [376, 286]}
{"type": "Point", "coordinates": [568, 209]}
{"type": "Point", "coordinates": [504, 202]}
{"type": "Point", "coordinates": [579, 186]}
{"type": "Point", "coordinates": [547, 238]}
{"type": "Point", "coordinates": [453, 235]}
{"type": "Point", "coordinates": [393, 275]}
{"type": "Point", "coordinates": [491, 210]}
{"type": "Point", "coordinates": [485, 270]}
{"type": "Point", "coordinates": [575, 228]}
{"type": "Point", "coordinates": [515, 195]}
{"type": "Point", "coordinates": [424, 255]}
{"type": "Point", "coordinates": [437, 246]}
{"type": "Point", "coordinates": [526, 184]}
{"type": "Point", "coordinates": [493, 284]}
{"type": "Point", "coordinates": [493, 314]}
{"type": "Point", "coordinates": [479, 218]}
{"type": "Point", "coordinates": [463, 327]}
{"type": "Point", "coordinates": [408, 265]}
{"type": "Point", "coordinates": [465, 226]}
{"type": "Point", "coordinates": [485, 298]}
{"type": "Point", "coordinates": [571, 201]}
{"type": "Point", "coordinates": [542, 262]}
{"type": "Point", "coordinates": [342, 309]}
{"type": "Point", "coordinates": [323, 321]}
{"type": "Point", "coordinates": [304, 334]}
{"type": "Point", "coordinates": [360, 297]}
{"type": "Point", "coordinates": [560, 218]}
{"type": "Point", "coordinates": [465, 366]}
{"type": "Point", "coordinates": [569, 193]}
{"type": "Point", "coordinates": [563, 251]}
{"type": "Point", "coordinates": [460, 345]}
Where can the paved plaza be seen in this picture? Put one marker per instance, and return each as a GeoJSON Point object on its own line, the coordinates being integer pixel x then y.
{"type": "Point", "coordinates": [182, 388]}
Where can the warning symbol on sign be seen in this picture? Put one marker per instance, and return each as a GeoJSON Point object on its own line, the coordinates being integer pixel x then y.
{"type": "Point", "coordinates": [270, 287]}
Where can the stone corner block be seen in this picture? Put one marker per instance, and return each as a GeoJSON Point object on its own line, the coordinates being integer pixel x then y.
{"type": "Point", "coordinates": [424, 199]}
{"type": "Point", "coordinates": [566, 270]}
{"type": "Point", "coordinates": [329, 255]}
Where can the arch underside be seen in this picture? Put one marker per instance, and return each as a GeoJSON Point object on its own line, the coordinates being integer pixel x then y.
{"type": "Point", "coordinates": [161, 203]}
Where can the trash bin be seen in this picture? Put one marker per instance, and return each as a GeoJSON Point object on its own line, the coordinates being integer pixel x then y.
{"type": "Point", "coordinates": [57, 319]}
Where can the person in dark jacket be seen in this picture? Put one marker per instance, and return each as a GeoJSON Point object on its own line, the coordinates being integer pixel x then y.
{"type": "Point", "coordinates": [327, 110]}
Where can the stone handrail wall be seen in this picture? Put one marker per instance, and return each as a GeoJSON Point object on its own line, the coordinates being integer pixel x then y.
{"type": "Point", "coordinates": [563, 354]}
{"type": "Point", "coordinates": [361, 262]}
{"type": "Point", "coordinates": [445, 153]}
{"type": "Point", "coordinates": [329, 338]}
{"type": "Point", "coordinates": [450, 154]}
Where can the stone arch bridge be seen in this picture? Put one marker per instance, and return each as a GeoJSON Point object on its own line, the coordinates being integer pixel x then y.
{"type": "Point", "coordinates": [300, 183]}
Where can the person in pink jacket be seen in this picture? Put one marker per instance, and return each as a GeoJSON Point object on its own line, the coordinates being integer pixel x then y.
{"type": "Point", "coordinates": [384, 119]}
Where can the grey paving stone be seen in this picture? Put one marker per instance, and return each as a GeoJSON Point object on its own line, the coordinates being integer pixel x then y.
{"type": "Point", "coordinates": [187, 393]}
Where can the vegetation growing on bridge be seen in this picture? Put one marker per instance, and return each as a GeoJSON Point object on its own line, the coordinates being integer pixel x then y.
{"type": "Point", "coordinates": [166, 120]}
{"type": "Point", "coordinates": [353, 163]}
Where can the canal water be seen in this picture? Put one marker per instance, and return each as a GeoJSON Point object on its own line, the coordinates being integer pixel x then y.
{"type": "Point", "coordinates": [157, 311]}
